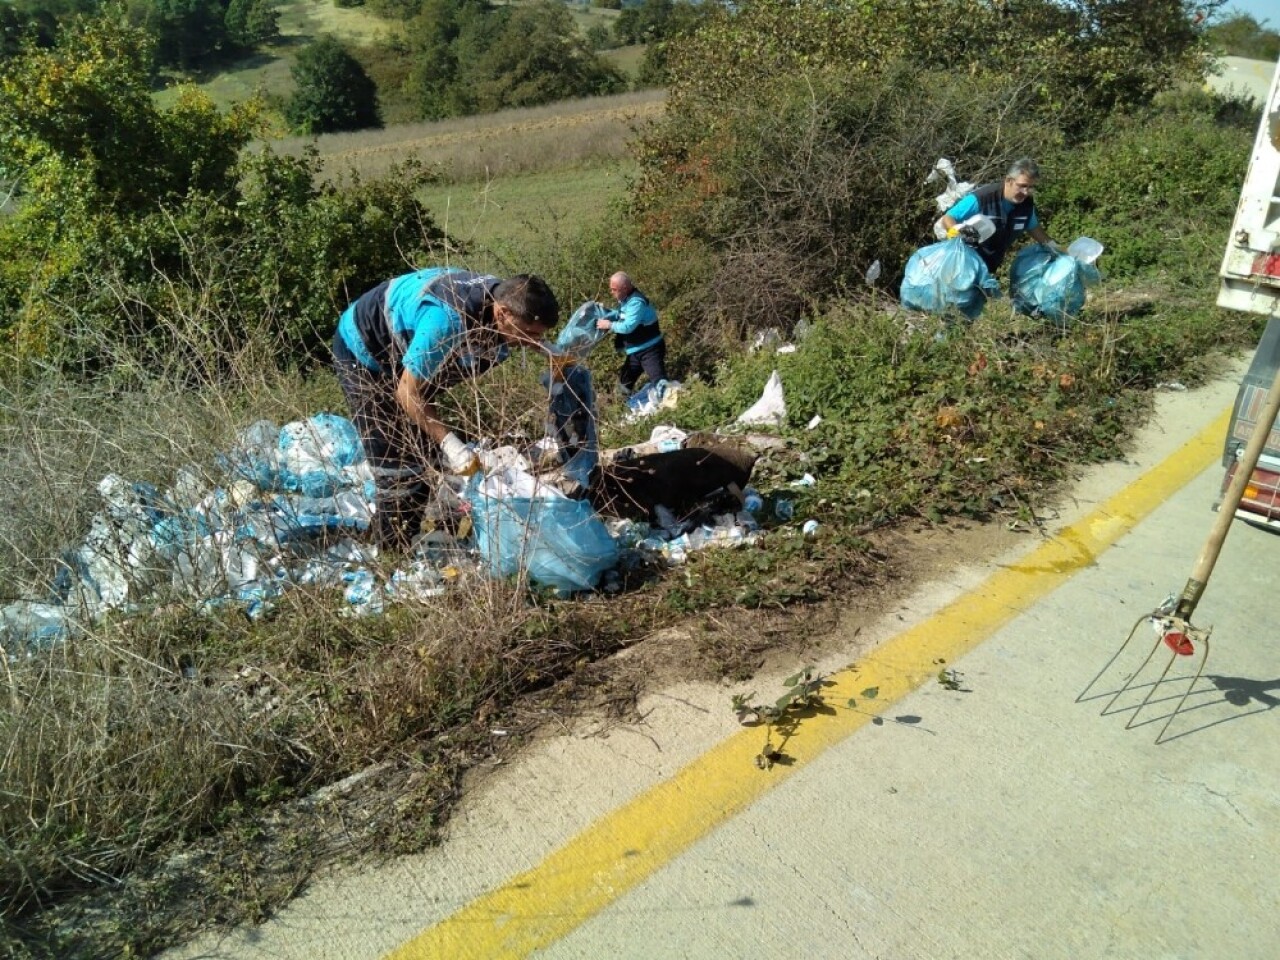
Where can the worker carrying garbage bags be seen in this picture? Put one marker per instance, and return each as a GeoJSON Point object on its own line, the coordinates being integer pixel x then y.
{"type": "Point", "coordinates": [976, 229]}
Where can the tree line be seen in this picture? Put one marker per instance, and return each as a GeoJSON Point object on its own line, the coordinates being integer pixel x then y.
{"type": "Point", "coordinates": [185, 33]}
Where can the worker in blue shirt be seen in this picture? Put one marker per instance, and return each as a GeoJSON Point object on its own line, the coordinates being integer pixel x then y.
{"type": "Point", "coordinates": [1010, 205]}
{"type": "Point", "coordinates": [403, 342]}
{"type": "Point", "coordinates": [636, 334]}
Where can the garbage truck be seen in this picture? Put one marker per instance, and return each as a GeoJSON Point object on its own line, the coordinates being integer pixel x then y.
{"type": "Point", "coordinates": [1249, 280]}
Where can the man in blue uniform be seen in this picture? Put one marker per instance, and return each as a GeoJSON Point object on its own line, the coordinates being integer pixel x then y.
{"type": "Point", "coordinates": [1009, 205]}
{"type": "Point", "coordinates": [635, 328]}
{"type": "Point", "coordinates": [404, 341]}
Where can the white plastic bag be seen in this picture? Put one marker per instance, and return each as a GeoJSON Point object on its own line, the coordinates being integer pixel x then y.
{"type": "Point", "coordinates": [770, 409]}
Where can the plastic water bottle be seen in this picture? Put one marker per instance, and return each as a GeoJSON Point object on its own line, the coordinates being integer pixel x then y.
{"type": "Point", "coordinates": [784, 509]}
{"type": "Point", "coordinates": [752, 502]}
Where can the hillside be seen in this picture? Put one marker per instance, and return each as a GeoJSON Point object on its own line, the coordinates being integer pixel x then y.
{"type": "Point", "coordinates": [267, 71]}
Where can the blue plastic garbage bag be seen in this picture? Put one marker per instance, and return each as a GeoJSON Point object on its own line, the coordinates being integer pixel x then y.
{"type": "Point", "coordinates": [307, 456]}
{"type": "Point", "coordinates": [571, 421]}
{"type": "Point", "coordinates": [1045, 284]}
{"type": "Point", "coordinates": [313, 453]}
{"type": "Point", "coordinates": [947, 275]}
{"type": "Point", "coordinates": [580, 335]}
{"type": "Point", "coordinates": [561, 543]}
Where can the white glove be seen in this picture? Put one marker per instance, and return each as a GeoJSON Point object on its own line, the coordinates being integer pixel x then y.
{"type": "Point", "coordinates": [459, 458]}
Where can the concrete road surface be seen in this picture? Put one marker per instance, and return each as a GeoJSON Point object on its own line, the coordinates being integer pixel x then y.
{"type": "Point", "coordinates": [907, 820]}
{"type": "Point", "coordinates": [1249, 77]}
{"type": "Point", "coordinates": [1007, 820]}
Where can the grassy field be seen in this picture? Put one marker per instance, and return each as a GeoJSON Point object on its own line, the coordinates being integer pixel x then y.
{"type": "Point", "coordinates": [501, 217]}
{"type": "Point", "coordinates": [557, 136]}
{"type": "Point", "coordinates": [266, 72]}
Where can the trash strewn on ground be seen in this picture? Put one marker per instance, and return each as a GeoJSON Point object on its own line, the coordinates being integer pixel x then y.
{"type": "Point", "coordinates": [771, 408]}
{"type": "Point", "coordinates": [651, 398]}
{"type": "Point", "coordinates": [290, 506]}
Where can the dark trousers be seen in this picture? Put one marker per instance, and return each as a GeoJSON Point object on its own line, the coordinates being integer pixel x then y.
{"type": "Point", "coordinates": [397, 450]}
{"type": "Point", "coordinates": [651, 361]}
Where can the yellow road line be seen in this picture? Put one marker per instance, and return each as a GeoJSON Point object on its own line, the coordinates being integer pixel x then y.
{"type": "Point", "coordinates": [623, 848]}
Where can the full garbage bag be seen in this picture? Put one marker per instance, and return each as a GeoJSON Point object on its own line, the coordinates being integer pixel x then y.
{"type": "Point", "coordinates": [522, 525]}
{"type": "Point", "coordinates": [948, 275]}
{"type": "Point", "coordinates": [1052, 285]}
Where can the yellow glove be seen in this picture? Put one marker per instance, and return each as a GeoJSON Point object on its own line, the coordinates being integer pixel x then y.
{"type": "Point", "coordinates": [953, 232]}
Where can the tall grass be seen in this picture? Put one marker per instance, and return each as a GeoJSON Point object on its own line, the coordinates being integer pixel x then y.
{"type": "Point", "coordinates": [163, 723]}
{"type": "Point", "coordinates": [530, 140]}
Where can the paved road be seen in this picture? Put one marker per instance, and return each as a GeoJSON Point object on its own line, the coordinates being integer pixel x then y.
{"type": "Point", "coordinates": [1000, 820]}
{"type": "Point", "coordinates": [1011, 821]}
{"type": "Point", "coordinates": [1249, 77]}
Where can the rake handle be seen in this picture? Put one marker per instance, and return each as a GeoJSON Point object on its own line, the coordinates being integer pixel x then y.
{"type": "Point", "coordinates": [1194, 588]}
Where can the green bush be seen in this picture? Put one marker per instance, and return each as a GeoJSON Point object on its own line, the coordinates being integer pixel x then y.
{"type": "Point", "coordinates": [810, 180]}
{"type": "Point", "coordinates": [1158, 188]}
{"type": "Point", "coordinates": [333, 91]}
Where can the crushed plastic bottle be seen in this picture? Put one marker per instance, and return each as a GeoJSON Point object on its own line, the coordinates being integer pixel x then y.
{"type": "Point", "coordinates": [784, 509]}
{"type": "Point", "coordinates": [752, 502]}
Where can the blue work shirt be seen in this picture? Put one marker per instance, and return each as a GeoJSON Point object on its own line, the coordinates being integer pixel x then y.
{"type": "Point", "coordinates": [635, 323]}
{"type": "Point", "coordinates": [407, 322]}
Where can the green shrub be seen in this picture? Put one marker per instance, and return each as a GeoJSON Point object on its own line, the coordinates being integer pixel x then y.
{"type": "Point", "coordinates": [1158, 188]}
{"type": "Point", "coordinates": [333, 91]}
{"type": "Point", "coordinates": [809, 181]}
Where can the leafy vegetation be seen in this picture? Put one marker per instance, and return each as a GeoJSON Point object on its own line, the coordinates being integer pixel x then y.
{"type": "Point", "coordinates": [798, 137]}
{"type": "Point", "coordinates": [334, 93]}
{"type": "Point", "coordinates": [129, 215]}
{"type": "Point", "coordinates": [1240, 35]}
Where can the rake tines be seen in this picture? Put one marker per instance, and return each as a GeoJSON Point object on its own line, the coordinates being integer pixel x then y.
{"type": "Point", "coordinates": [1172, 620]}
{"type": "Point", "coordinates": [1180, 637]}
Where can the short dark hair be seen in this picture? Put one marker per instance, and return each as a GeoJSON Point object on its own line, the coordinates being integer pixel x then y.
{"type": "Point", "coordinates": [530, 299]}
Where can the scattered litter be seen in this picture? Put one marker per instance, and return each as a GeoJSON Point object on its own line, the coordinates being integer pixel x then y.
{"type": "Point", "coordinates": [977, 459]}
{"type": "Point", "coordinates": [810, 528]}
{"type": "Point", "coordinates": [752, 502]}
{"type": "Point", "coordinates": [290, 499]}
{"type": "Point", "coordinates": [784, 509]}
{"type": "Point", "coordinates": [873, 273]}
{"type": "Point", "coordinates": [806, 481]}
{"type": "Point", "coordinates": [771, 408]}
{"type": "Point", "coordinates": [817, 419]}
{"type": "Point", "coordinates": [1173, 385]}
{"type": "Point", "coordinates": [726, 530]}
{"type": "Point", "coordinates": [767, 337]}
{"type": "Point", "coordinates": [651, 398]}
{"type": "Point", "coordinates": [667, 438]}
{"type": "Point", "coordinates": [787, 348]}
